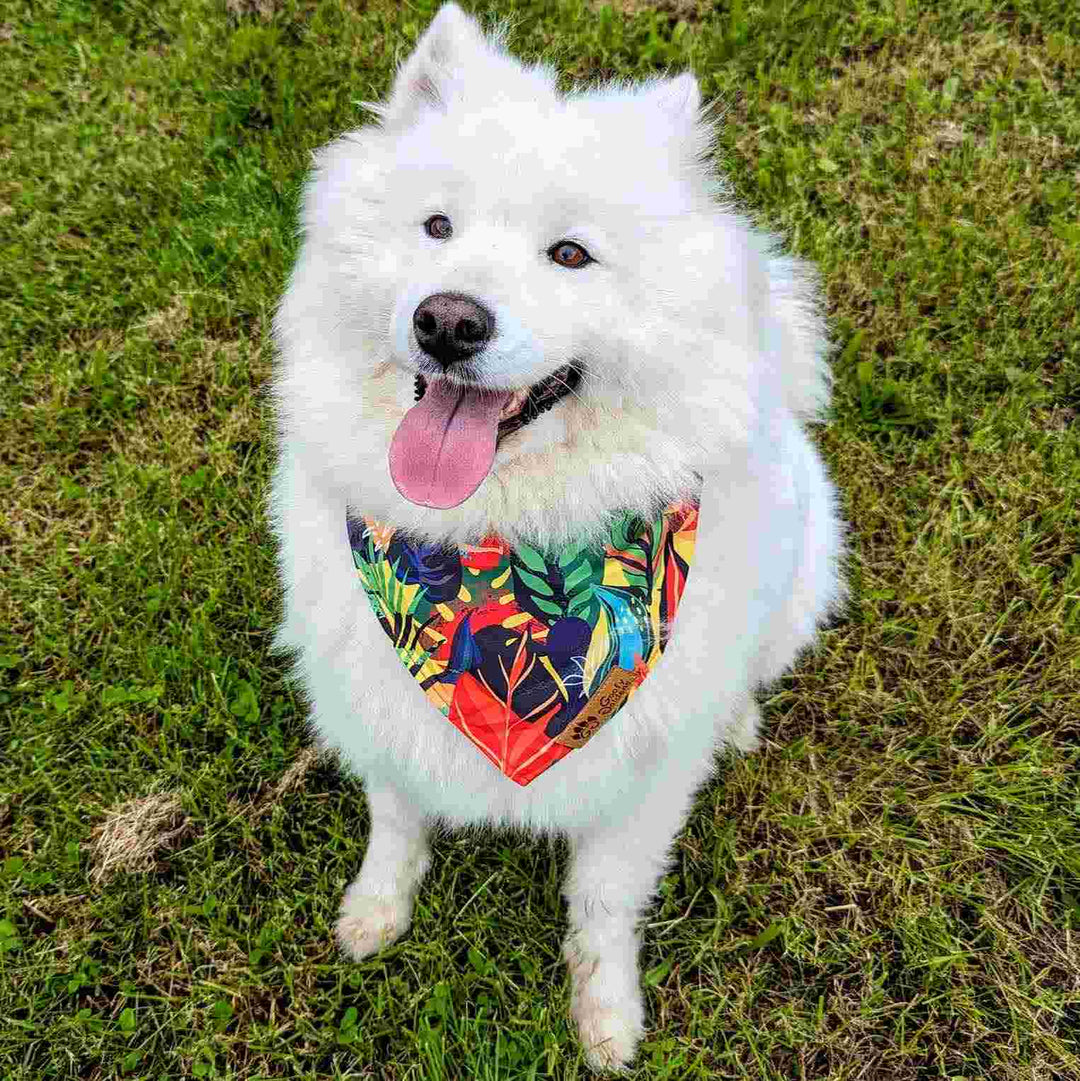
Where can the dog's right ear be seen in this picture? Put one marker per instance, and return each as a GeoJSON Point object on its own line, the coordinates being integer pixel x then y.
{"type": "Point", "coordinates": [426, 80]}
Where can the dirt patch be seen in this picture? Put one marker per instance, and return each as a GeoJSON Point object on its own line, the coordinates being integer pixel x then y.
{"type": "Point", "coordinates": [1058, 418]}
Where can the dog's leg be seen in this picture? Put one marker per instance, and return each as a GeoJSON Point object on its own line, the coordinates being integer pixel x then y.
{"type": "Point", "coordinates": [614, 873]}
{"type": "Point", "coordinates": [377, 907]}
{"type": "Point", "coordinates": [742, 734]}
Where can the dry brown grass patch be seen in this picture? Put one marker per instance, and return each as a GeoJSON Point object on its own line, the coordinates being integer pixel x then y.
{"type": "Point", "coordinates": [291, 780]}
{"type": "Point", "coordinates": [690, 10]}
{"type": "Point", "coordinates": [136, 833]}
{"type": "Point", "coordinates": [262, 9]}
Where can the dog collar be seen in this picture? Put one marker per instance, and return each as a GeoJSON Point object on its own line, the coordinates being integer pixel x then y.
{"type": "Point", "coordinates": [528, 653]}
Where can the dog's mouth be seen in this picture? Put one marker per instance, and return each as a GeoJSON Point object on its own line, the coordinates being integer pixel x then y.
{"type": "Point", "coordinates": [527, 404]}
{"type": "Point", "coordinates": [445, 445]}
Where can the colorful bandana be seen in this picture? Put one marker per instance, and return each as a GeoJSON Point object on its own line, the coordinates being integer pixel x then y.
{"type": "Point", "coordinates": [529, 654]}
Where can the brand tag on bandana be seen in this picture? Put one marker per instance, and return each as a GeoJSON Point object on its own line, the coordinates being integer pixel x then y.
{"type": "Point", "coordinates": [526, 653]}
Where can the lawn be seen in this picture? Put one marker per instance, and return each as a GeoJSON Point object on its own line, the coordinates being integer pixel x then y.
{"type": "Point", "coordinates": [890, 889]}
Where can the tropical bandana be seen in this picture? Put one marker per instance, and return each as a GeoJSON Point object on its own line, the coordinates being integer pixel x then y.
{"type": "Point", "coordinates": [527, 653]}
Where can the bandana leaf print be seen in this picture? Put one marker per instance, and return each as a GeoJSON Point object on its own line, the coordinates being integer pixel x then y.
{"type": "Point", "coordinates": [528, 654]}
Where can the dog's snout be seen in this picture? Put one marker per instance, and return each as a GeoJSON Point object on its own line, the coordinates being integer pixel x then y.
{"type": "Point", "coordinates": [451, 327]}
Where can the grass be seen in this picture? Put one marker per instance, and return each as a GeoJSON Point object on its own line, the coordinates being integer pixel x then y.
{"type": "Point", "coordinates": [890, 889]}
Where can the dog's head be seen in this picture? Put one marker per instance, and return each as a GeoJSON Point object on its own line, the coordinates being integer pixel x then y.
{"type": "Point", "coordinates": [517, 308]}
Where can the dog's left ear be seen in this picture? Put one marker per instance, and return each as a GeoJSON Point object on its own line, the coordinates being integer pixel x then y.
{"type": "Point", "coordinates": [452, 42]}
{"type": "Point", "coordinates": [678, 98]}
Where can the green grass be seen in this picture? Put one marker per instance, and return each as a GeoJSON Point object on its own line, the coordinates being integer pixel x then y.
{"type": "Point", "coordinates": [889, 890]}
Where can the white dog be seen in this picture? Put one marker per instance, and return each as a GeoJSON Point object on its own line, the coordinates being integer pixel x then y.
{"type": "Point", "coordinates": [528, 356]}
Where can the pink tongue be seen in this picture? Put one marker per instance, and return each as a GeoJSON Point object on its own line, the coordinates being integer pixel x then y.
{"type": "Point", "coordinates": [445, 444]}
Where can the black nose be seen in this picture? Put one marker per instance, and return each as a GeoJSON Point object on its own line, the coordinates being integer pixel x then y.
{"type": "Point", "coordinates": [451, 327]}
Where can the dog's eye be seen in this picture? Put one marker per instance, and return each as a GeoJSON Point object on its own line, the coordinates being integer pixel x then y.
{"type": "Point", "coordinates": [439, 227]}
{"type": "Point", "coordinates": [567, 253]}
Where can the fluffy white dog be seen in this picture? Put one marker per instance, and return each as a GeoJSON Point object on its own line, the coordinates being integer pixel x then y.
{"type": "Point", "coordinates": [528, 347]}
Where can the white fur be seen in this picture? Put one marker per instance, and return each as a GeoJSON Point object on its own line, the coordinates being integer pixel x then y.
{"type": "Point", "coordinates": [704, 350]}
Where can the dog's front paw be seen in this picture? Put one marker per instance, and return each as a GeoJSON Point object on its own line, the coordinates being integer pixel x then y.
{"type": "Point", "coordinates": [609, 1034]}
{"type": "Point", "coordinates": [607, 1007]}
{"type": "Point", "coordinates": [369, 924]}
